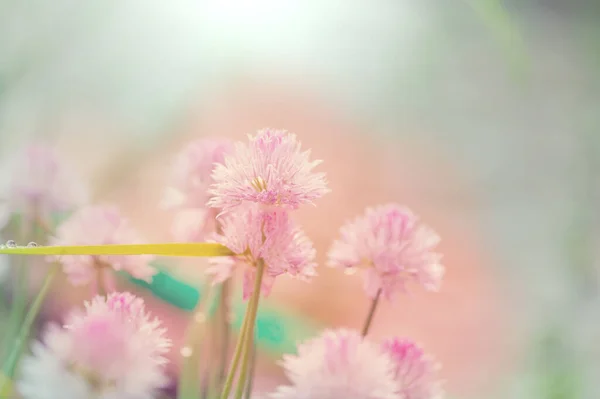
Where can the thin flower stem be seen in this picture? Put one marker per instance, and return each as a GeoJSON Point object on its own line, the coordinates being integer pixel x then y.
{"type": "Point", "coordinates": [11, 363]}
{"type": "Point", "coordinates": [18, 305]}
{"type": "Point", "coordinates": [100, 284]}
{"type": "Point", "coordinates": [224, 309]}
{"type": "Point", "coordinates": [250, 383]}
{"type": "Point", "coordinates": [19, 296]}
{"type": "Point", "coordinates": [252, 310]}
{"type": "Point", "coordinates": [371, 314]}
{"type": "Point", "coordinates": [237, 354]}
{"type": "Point", "coordinates": [220, 339]}
{"type": "Point", "coordinates": [189, 381]}
{"type": "Point", "coordinates": [223, 321]}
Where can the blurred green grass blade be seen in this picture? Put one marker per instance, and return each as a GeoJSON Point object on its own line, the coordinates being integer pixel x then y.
{"type": "Point", "coordinates": [498, 20]}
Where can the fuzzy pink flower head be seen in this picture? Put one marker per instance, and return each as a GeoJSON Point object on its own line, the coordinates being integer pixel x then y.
{"type": "Point", "coordinates": [394, 247]}
{"type": "Point", "coordinates": [113, 350]}
{"type": "Point", "coordinates": [99, 225]}
{"type": "Point", "coordinates": [338, 364]}
{"type": "Point", "coordinates": [414, 371]}
{"type": "Point", "coordinates": [271, 170]}
{"type": "Point", "coordinates": [41, 183]}
{"type": "Point", "coordinates": [194, 224]}
{"type": "Point", "coordinates": [254, 234]}
{"type": "Point", "coordinates": [192, 173]}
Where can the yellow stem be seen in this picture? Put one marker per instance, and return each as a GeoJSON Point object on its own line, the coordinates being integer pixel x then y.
{"type": "Point", "coordinates": [173, 249]}
{"type": "Point", "coordinates": [249, 338]}
{"type": "Point", "coordinates": [235, 361]}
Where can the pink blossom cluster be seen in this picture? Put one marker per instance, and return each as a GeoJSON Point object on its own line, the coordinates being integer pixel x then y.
{"type": "Point", "coordinates": [188, 194]}
{"type": "Point", "coordinates": [98, 225]}
{"type": "Point", "coordinates": [255, 189]}
{"type": "Point", "coordinates": [242, 196]}
{"type": "Point", "coordinates": [343, 364]}
{"type": "Point", "coordinates": [38, 183]}
{"type": "Point", "coordinates": [393, 247]}
{"type": "Point", "coordinates": [111, 349]}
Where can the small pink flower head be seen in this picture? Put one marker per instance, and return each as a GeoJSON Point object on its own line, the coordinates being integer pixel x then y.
{"type": "Point", "coordinates": [393, 245]}
{"type": "Point", "coordinates": [338, 364]}
{"type": "Point", "coordinates": [191, 179]}
{"type": "Point", "coordinates": [113, 350]}
{"type": "Point", "coordinates": [415, 372]}
{"type": "Point", "coordinates": [41, 183]}
{"type": "Point", "coordinates": [271, 170]}
{"type": "Point", "coordinates": [99, 225]}
{"type": "Point", "coordinates": [193, 225]}
{"type": "Point", "coordinates": [254, 234]}
{"type": "Point", "coordinates": [192, 173]}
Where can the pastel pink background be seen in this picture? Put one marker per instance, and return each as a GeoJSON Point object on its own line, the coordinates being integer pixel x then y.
{"type": "Point", "coordinates": [467, 325]}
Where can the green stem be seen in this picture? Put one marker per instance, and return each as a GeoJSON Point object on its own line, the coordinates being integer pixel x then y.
{"type": "Point", "coordinates": [252, 310]}
{"type": "Point", "coordinates": [15, 354]}
{"type": "Point", "coordinates": [224, 309]}
{"type": "Point", "coordinates": [19, 295]}
{"type": "Point", "coordinates": [252, 371]}
{"type": "Point", "coordinates": [189, 381]}
{"type": "Point", "coordinates": [18, 306]}
{"type": "Point", "coordinates": [221, 332]}
{"type": "Point", "coordinates": [371, 314]}
{"type": "Point", "coordinates": [237, 354]}
{"type": "Point", "coordinates": [100, 284]}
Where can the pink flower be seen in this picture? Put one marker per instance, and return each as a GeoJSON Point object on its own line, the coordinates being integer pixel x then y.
{"type": "Point", "coordinates": [255, 234]}
{"type": "Point", "coordinates": [40, 183]}
{"type": "Point", "coordinates": [97, 225]}
{"type": "Point", "coordinates": [391, 243]}
{"type": "Point", "coordinates": [338, 364]}
{"type": "Point", "coordinates": [270, 170]}
{"type": "Point", "coordinates": [191, 178]}
{"type": "Point", "coordinates": [113, 350]}
{"type": "Point", "coordinates": [192, 173]}
{"type": "Point", "coordinates": [414, 371]}
{"type": "Point", "coordinates": [193, 225]}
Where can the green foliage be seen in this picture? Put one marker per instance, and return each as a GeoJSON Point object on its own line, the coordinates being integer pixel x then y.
{"type": "Point", "coordinates": [503, 28]}
{"type": "Point", "coordinates": [559, 374]}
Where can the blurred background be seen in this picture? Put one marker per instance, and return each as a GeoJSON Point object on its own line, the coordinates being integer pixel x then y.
{"type": "Point", "coordinates": [483, 117]}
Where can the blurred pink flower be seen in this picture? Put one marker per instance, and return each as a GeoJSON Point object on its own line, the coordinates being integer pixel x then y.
{"type": "Point", "coordinates": [393, 245]}
{"type": "Point", "coordinates": [39, 184]}
{"type": "Point", "coordinates": [112, 350]}
{"type": "Point", "coordinates": [191, 179]}
{"type": "Point", "coordinates": [192, 173]}
{"type": "Point", "coordinates": [98, 225]}
{"type": "Point", "coordinates": [193, 225]}
{"type": "Point", "coordinates": [253, 233]}
{"type": "Point", "coordinates": [414, 370]}
{"type": "Point", "coordinates": [270, 170]}
{"type": "Point", "coordinates": [338, 364]}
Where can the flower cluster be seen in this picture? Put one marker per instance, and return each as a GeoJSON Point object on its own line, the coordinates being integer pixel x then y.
{"type": "Point", "coordinates": [269, 236]}
{"type": "Point", "coordinates": [188, 194]}
{"type": "Point", "coordinates": [393, 246]}
{"type": "Point", "coordinates": [271, 169]}
{"type": "Point", "coordinates": [240, 198]}
{"type": "Point", "coordinates": [98, 225]}
{"type": "Point", "coordinates": [255, 189]}
{"type": "Point", "coordinates": [338, 364]}
{"type": "Point", "coordinates": [111, 350]}
{"type": "Point", "coordinates": [40, 184]}
{"type": "Point", "coordinates": [344, 364]}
